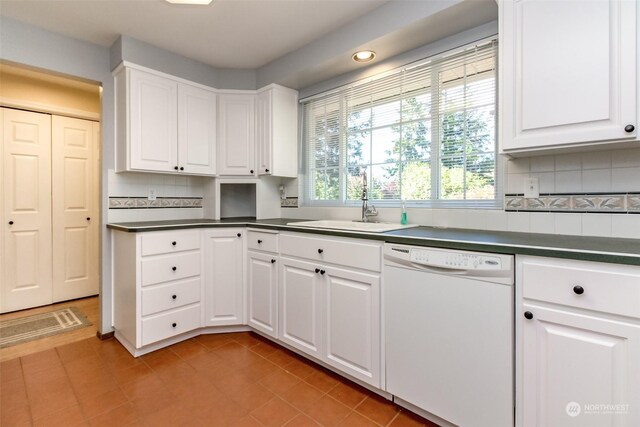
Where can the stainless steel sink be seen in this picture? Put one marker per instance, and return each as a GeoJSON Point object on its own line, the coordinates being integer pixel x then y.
{"type": "Point", "coordinates": [371, 227]}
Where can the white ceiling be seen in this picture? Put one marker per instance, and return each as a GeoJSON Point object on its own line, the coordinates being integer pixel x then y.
{"type": "Point", "coordinates": [225, 34]}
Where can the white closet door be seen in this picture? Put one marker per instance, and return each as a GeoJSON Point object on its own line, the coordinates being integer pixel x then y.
{"type": "Point", "coordinates": [75, 208]}
{"type": "Point", "coordinates": [26, 240]}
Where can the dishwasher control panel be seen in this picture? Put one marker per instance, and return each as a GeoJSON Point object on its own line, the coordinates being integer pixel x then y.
{"type": "Point", "coordinates": [455, 260]}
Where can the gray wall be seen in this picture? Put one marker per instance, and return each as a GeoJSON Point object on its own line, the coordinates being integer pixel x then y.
{"type": "Point", "coordinates": [32, 46]}
{"type": "Point", "coordinates": [141, 53]}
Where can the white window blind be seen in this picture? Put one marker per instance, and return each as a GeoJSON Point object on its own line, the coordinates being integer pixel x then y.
{"type": "Point", "coordinates": [424, 134]}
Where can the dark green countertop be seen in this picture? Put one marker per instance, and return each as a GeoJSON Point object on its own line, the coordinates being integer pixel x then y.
{"type": "Point", "coordinates": [601, 249]}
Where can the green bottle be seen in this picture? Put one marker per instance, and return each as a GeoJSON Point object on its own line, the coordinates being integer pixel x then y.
{"type": "Point", "coordinates": [403, 217]}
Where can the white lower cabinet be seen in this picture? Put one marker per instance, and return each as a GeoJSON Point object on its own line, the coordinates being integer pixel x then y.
{"type": "Point", "coordinates": [577, 360]}
{"type": "Point", "coordinates": [352, 323]}
{"type": "Point", "coordinates": [332, 312]}
{"type": "Point", "coordinates": [223, 266]}
{"type": "Point", "coordinates": [300, 306]}
{"type": "Point", "coordinates": [262, 286]}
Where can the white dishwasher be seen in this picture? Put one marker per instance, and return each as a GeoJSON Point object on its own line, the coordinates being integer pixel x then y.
{"type": "Point", "coordinates": [448, 318]}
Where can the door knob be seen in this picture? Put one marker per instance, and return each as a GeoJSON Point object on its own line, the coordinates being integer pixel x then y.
{"type": "Point", "coordinates": [174, 324]}
{"type": "Point", "coordinates": [175, 167]}
{"type": "Point", "coordinates": [174, 268]}
{"type": "Point", "coordinates": [578, 289]}
{"type": "Point", "coordinates": [317, 270]}
{"type": "Point", "coordinates": [88, 218]}
{"type": "Point", "coordinates": [239, 235]}
{"type": "Point", "coordinates": [251, 171]}
{"type": "Point", "coordinates": [322, 271]}
{"type": "Point", "coordinates": [629, 128]}
{"type": "Point", "coordinates": [273, 261]}
{"type": "Point", "coordinates": [266, 170]}
{"type": "Point", "coordinates": [320, 251]}
{"type": "Point", "coordinates": [10, 222]}
{"type": "Point", "coordinates": [181, 168]}
{"type": "Point", "coordinates": [174, 243]}
{"type": "Point", "coordinates": [528, 315]}
{"type": "Point", "coordinates": [259, 241]}
{"type": "Point", "coordinates": [174, 296]}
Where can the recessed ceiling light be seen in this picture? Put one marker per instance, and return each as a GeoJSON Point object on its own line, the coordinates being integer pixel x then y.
{"type": "Point", "coordinates": [364, 56]}
{"type": "Point", "coordinates": [198, 2]}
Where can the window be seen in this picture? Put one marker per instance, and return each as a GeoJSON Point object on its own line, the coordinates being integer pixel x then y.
{"type": "Point", "coordinates": [425, 135]}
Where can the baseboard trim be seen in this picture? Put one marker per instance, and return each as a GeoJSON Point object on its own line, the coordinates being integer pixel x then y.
{"type": "Point", "coordinates": [105, 336]}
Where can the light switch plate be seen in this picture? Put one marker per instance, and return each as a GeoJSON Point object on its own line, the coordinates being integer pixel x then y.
{"type": "Point", "coordinates": [531, 188]}
{"type": "Point", "coordinates": [152, 194]}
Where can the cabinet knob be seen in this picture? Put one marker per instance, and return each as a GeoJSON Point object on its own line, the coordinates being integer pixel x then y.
{"type": "Point", "coordinates": [10, 222]}
{"type": "Point", "coordinates": [239, 234]}
{"type": "Point", "coordinates": [629, 128]}
{"type": "Point", "coordinates": [266, 170]}
{"type": "Point", "coordinates": [174, 296]}
{"type": "Point", "coordinates": [322, 271]}
{"type": "Point", "coordinates": [181, 168]}
{"type": "Point", "coordinates": [174, 268]}
{"type": "Point", "coordinates": [273, 261]}
{"type": "Point", "coordinates": [251, 171]}
{"type": "Point", "coordinates": [88, 218]}
{"type": "Point", "coordinates": [174, 243]}
{"type": "Point", "coordinates": [320, 251]}
{"type": "Point", "coordinates": [174, 324]}
{"type": "Point", "coordinates": [528, 315]}
{"type": "Point", "coordinates": [317, 270]}
{"type": "Point", "coordinates": [175, 167]}
{"type": "Point", "coordinates": [578, 289]}
{"type": "Point", "coordinates": [259, 241]}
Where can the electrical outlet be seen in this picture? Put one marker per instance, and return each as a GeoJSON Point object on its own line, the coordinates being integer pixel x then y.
{"type": "Point", "coordinates": [531, 188]}
{"type": "Point", "coordinates": [152, 194]}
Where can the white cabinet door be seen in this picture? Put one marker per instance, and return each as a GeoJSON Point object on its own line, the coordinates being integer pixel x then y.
{"type": "Point", "coordinates": [300, 306]}
{"type": "Point", "coordinates": [26, 198]}
{"type": "Point", "coordinates": [571, 361]}
{"type": "Point", "coordinates": [222, 267]}
{"type": "Point", "coordinates": [196, 130]}
{"type": "Point", "coordinates": [277, 131]}
{"type": "Point", "coordinates": [352, 323]}
{"type": "Point", "coordinates": [75, 208]}
{"type": "Point", "coordinates": [568, 72]}
{"type": "Point", "coordinates": [236, 139]}
{"type": "Point", "coordinates": [153, 122]}
{"type": "Point", "coordinates": [263, 292]}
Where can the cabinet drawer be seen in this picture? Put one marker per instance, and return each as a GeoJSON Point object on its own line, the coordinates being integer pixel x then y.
{"type": "Point", "coordinates": [362, 254]}
{"type": "Point", "coordinates": [262, 241]}
{"type": "Point", "coordinates": [159, 327]}
{"type": "Point", "coordinates": [170, 267]}
{"type": "Point", "coordinates": [166, 297]}
{"type": "Point", "coordinates": [607, 288]}
{"type": "Point", "coordinates": [166, 242]}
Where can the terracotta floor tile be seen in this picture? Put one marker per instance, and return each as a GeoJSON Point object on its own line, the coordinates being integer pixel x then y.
{"type": "Point", "coordinates": [163, 358]}
{"type": "Point", "coordinates": [120, 416]}
{"type": "Point", "coordinates": [33, 378]}
{"type": "Point", "coordinates": [122, 362]}
{"type": "Point", "coordinates": [322, 380]}
{"type": "Point", "coordinates": [152, 402]}
{"type": "Point", "coordinates": [276, 412]}
{"type": "Point", "coordinates": [173, 414]}
{"type": "Point", "coordinates": [206, 362]}
{"type": "Point", "coordinates": [111, 349]}
{"type": "Point", "coordinates": [252, 397]}
{"type": "Point", "coordinates": [80, 368]}
{"type": "Point", "coordinates": [354, 419]}
{"type": "Point", "coordinates": [223, 412]}
{"type": "Point", "coordinates": [10, 370]}
{"type": "Point", "coordinates": [14, 412]}
{"type": "Point", "coordinates": [133, 373]}
{"type": "Point", "coordinates": [302, 420]}
{"type": "Point", "coordinates": [247, 421]}
{"type": "Point", "coordinates": [265, 348]}
{"type": "Point", "coordinates": [349, 394]}
{"type": "Point", "coordinates": [94, 405]}
{"type": "Point", "coordinates": [74, 351]}
{"type": "Point", "coordinates": [43, 360]}
{"type": "Point", "coordinates": [13, 390]}
{"type": "Point", "coordinates": [328, 411]}
{"type": "Point", "coordinates": [302, 396]}
{"type": "Point", "coordinates": [95, 384]}
{"type": "Point", "coordinates": [212, 341]}
{"type": "Point", "coordinates": [51, 401]}
{"type": "Point", "coordinates": [189, 348]}
{"type": "Point", "coordinates": [141, 387]}
{"type": "Point", "coordinates": [233, 383]}
{"type": "Point", "coordinates": [281, 357]}
{"type": "Point", "coordinates": [378, 409]}
{"type": "Point", "coordinates": [409, 419]}
{"type": "Point", "coordinates": [259, 369]}
{"type": "Point", "coordinates": [301, 368]}
{"type": "Point", "coordinates": [247, 339]}
{"type": "Point", "coordinates": [175, 370]}
{"type": "Point", "coordinates": [71, 416]}
{"type": "Point", "coordinates": [280, 381]}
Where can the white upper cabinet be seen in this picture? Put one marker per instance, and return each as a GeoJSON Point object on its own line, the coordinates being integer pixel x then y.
{"type": "Point", "coordinates": [276, 131]}
{"type": "Point", "coordinates": [568, 73]}
{"type": "Point", "coordinates": [236, 134]}
{"type": "Point", "coordinates": [164, 125]}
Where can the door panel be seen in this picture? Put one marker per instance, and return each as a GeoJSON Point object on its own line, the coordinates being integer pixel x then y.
{"type": "Point", "coordinates": [196, 130]}
{"type": "Point", "coordinates": [236, 134]}
{"type": "Point", "coordinates": [26, 158]}
{"type": "Point", "coordinates": [75, 209]}
{"type": "Point", "coordinates": [263, 282]}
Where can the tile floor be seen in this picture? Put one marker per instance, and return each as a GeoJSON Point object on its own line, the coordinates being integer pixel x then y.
{"type": "Point", "coordinates": [211, 380]}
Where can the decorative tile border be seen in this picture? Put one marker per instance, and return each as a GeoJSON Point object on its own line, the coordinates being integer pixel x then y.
{"type": "Point", "coordinates": [593, 203]}
{"type": "Point", "coordinates": [159, 203]}
{"type": "Point", "coordinates": [292, 202]}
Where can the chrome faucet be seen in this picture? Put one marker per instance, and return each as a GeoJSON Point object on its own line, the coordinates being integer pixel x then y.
{"type": "Point", "coordinates": [367, 210]}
